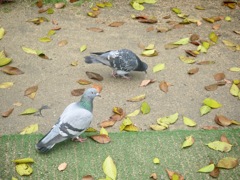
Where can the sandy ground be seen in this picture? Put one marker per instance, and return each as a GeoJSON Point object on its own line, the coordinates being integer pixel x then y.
{"type": "Point", "coordinates": [56, 78]}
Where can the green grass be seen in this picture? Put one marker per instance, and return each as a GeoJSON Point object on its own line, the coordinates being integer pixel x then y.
{"type": "Point", "coordinates": [133, 154]}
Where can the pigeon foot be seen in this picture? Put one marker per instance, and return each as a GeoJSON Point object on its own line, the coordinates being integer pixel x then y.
{"type": "Point", "coordinates": [79, 139]}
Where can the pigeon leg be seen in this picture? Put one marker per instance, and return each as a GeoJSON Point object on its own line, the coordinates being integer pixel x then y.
{"type": "Point", "coordinates": [114, 74]}
{"type": "Point", "coordinates": [79, 139]}
{"type": "Point", "coordinates": [126, 77]}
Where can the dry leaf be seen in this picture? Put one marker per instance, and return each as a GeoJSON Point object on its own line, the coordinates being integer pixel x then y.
{"type": "Point", "coordinates": [11, 70]}
{"type": "Point", "coordinates": [95, 29]}
{"type": "Point", "coordinates": [194, 37]}
{"type": "Point", "coordinates": [228, 163]}
{"type": "Point", "coordinates": [39, 3]}
{"type": "Point", "coordinates": [151, 28]}
{"type": "Point", "coordinates": [153, 176]}
{"type": "Point", "coordinates": [101, 138]}
{"type": "Point", "coordinates": [56, 28]}
{"type": "Point", "coordinates": [206, 62]}
{"type": "Point", "coordinates": [216, 26]}
{"type": "Point", "coordinates": [116, 24]}
{"type": "Point", "coordinates": [210, 127]}
{"type": "Point", "coordinates": [137, 98]}
{"type": "Point", "coordinates": [223, 138]}
{"type": "Point", "coordinates": [192, 53]}
{"type": "Point", "coordinates": [174, 175]}
{"type": "Point", "coordinates": [215, 172]}
{"type": "Point", "coordinates": [87, 177]}
{"type": "Point", "coordinates": [147, 82]}
{"type": "Point", "coordinates": [5, 85]}
{"type": "Point", "coordinates": [77, 92]}
{"type": "Point", "coordinates": [211, 87]}
{"type": "Point", "coordinates": [7, 113]}
{"type": "Point", "coordinates": [163, 86]}
{"type": "Point", "coordinates": [59, 5]}
{"type": "Point", "coordinates": [222, 120]}
{"type": "Point", "coordinates": [62, 166]}
{"type": "Point", "coordinates": [84, 82]}
{"type": "Point", "coordinates": [193, 71]}
{"type": "Point", "coordinates": [118, 110]}
{"type": "Point", "coordinates": [30, 90]}
{"type": "Point", "coordinates": [219, 76]}
{"type": "Point", "coordinates": [95, 76]}
{"type": "Point", "coordinates": [62, 43]}
{"type": "Point", "coordinates": [149, 20]}
{"type": "Point", "coordinates": [107, 123]}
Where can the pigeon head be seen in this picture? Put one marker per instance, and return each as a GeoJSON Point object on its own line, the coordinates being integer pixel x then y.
{"type": "Point", "coordinates": [91, 93]}
{"type": "Point", "coordinates": [142, 66]}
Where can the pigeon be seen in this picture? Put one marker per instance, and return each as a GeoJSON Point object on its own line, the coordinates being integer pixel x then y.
{"type": "Point", "coordinates": [122, 61]}
{"type": "Point", "coordinates": [74, 120]}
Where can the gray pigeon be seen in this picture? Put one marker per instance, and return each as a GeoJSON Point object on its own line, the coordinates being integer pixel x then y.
{"type": "Point", "coordinates": [74, 120]}
{"type": "Point", "coordinates": [122, 61]}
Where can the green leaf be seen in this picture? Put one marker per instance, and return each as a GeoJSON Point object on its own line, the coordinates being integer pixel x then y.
{"type": "Point", "coordinates": [212, 103]}
{"type": "Point", "coordinates": [213, 37]}
{"type": "Point", "coordinates": [134, 113]}
{"type": "Point", "coordinates": [51, 32]}
{"type": "Point", "coordinates": [50, 11]}
{"type": "Point", "coordinates": [29, 111]}
{"type": "Point", "coordinates": [168, 119]}
{"type": "Point", "coordinates": [126, 121]}
{"type": "Point", "coordinates": [199, 8]}
{"type": "Point", "coordinates": [24, 160]}
{"type": "Point", "coordinates": [187, 60]}
{"type": "Point", "coordinates": [109, 168]}
{"type": "Point", "coordinates": [44, 39]}
{"type": "Point", "coordinates": [150, 1]}
{"type": "Point", "coordinates": [157, 127]}
{"type": "Point", "coordinates": [29, 50]}
{"type": "Point", "coordinates": [137, 6]}
{"type": "Point", "coordinates": [189, 122]}
{"type": "Point", "coordinates": [30, 129]}
{"type": "Point", "coordinates": [220, 146]}
{"type": "Point", "coordinates": [207, 169]}
{"type": "Point", "coordinates": [83, 48]}
{"type": "Point", "coordinates": [145, 108]}
{"type": "Point", "coordinates": [176, 10]}
{"type": "Point", "coordinates": [228, 18]}
{"type": "Point", "coordinates": [156, 161]}
{"type": "Point", "coordinates": [234, 90]}
{"type": "Point", "coordinates": [206, 45]}
{"type": "Point", "coordinates": [182, 41]}
{"type": "Point", "coordinates": [103, 131]}
{"type": "Point", "coordinates": [228, 163]}
{"type": "Point", "coordinates": [3, 59]}
{"type": "Point", "coordinates": [2, 32]}
{"type": "Point", "coordinates": [235, 69]}
{"type": "Point", "coordinates": [158, 67]}
{"type": "Point", "coordinates": [188, 142]}
{"type": "Point", "coordinates": [24, 169]}
{"type": "Point", "coordinates": [205, 109]}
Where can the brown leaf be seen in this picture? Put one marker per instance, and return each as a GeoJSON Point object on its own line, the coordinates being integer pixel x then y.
{"type": "Point", "coordinates": [163, 86]}
{"type": "Point", "coordinates": [147, 82]}
{"type": "Point", "coordinates": [62, 43]}
{"type": "Point", "coordinates": [77, 92]}
{"type": "Point", "coordinates": [116, 24]}
{"type": "Point", "coordinates": [98, 87]}
{"type": "Point", "coordinates": [223, 138]}
{"type": "Point", "coordinates": [108, 123]}
{"type": "Point", "coordinates": [30, 90]}
{"type": "Point", "coordinates": [118, 110]}
{"type": "Point", "coordinates": [194, 37]}
{"type": "Point", "coordinates": [95, 76]}
{"type": "Point", "coordinates": [150, 20]}
{"type": "Point", "coordinates": [193, 71]}
{"type": "Point", "coordinates": [217, 18]}
{"type": "Point", "coordinates": [191, 53]}
{"type": "Point", "coordinates": [211, 87]}
{"type": "Point", "coordinates": [215, 172]}
{"type": "Point", "coordinates": [7, 113]}
{"type": "Point", "coordinates": [237, 32]}
{"type": "Point", "coordinates": [172, 173]}
{"type": "Point", "coordinates": [195, 43]}
{"type": "Point", "coordinates": [39, 3]}
{"type": "Point", "coordinates": [54, 22]}
{"type": "Point", "coordinates": [72, 1]}
{"type": "Point", "coordinates": [95, 29]}
{"type": "Point", "coordinates": [178, 26]}
{"type": "Point", "coordinates": [222, 120]}
{"type": "Point", "coordinates": [167, 17]}
{"type": "Point", "coordinates": [117, 117]}
{"type": "Point", "coordinates": [42, 10]}
{"type": "Point", "coordinates": [87, 177]}
{"type": "Point", "coordinates": [56, 28]}
{"type": "Point", "coordinates": [216, 26]}
{"type": "Point", "coordinates": [59, 5]}
{"type": "Point", "coordinates": [11, 70]}
{"type": "Point", "coordinates": [206, 62]}
{"type": "Point", "coordinates": [84, 82]}
{"type": "Point", "coordinates": [219, 76]}
{"type": "Point", "coordinates": [62, 166]}
{"type": "Point", "coordinates": [162, 29]}
{"type": "Point", "coordinates": [210, 128]}
{"type": "Point", "coordinates": [101, 138]}
{"type": "Point", "coordinates": [153, 176]}
{"type": "Point", "coordinates": [221, 83]}
{"type": "Point", "coordinates": [150, 28]}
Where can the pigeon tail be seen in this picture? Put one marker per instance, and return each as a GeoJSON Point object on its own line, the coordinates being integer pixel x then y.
{"type": "Point", "coordinates": [96, 59]}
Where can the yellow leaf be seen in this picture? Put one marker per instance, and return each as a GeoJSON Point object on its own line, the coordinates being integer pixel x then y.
{"type": "Point", "coordinates": [13, 178]}
{"type": "Point", "coordinates": [109, 168]}
{"type": "Point", "coordinates": [149, 47]}
{"type": "Point", "coordinates": [228, 18]}
{"type": "Point", "coordinates": [101, 5]}
{"type": "Point", "coordinates": [44, 39]}
{"type": "Point", "coordinates": [220, 146]}
{"type": "Point", "coordinates": [2, 32]}
{"type": "Point", "coordinates": [235, 69]}
{"type": "Point", "coordinates": [206, 45]}
{"type": "Point", "coordinates": [131, 128]}
{"type": "Point", "coordinates": [32, 95]}
{"type": "Point", "coordinates": [228, 163]}
{"type": "Point", "coordinates": [83, 48]}
{"type": "Point", "coordinates": [5, 85]}
{"type": "Point", "coordinates": [213, 37]}
{"type": "Point", "coordinates": [145, 108]}
{"type": "Point", "coordinates": [150, 52]}
{"type": "Point", "coordinates": [182, 41]}
{"type": "Point", "coordinates": [204, 110]}
{"type": "Point", "coordinates": [24, 169]}
{"type": "Point", "coordinates": [30, 129]}
{"type": "Point", "coordinates": [29, 111]}
{"type": "Point", "coordinates": [50, 11]}
{"type": "Point", "coordinates": [158, 67]}
{"type": "Point", "coordinates": [137, 6]}
{"type": "Point", "coordinates": [108, 4]}
{"type": "Point", "coordinates": [126, 121]}
{"type": "Point", "coordinates": [156, 161]}
{"type": "Point", "coordinates": [103, 131]}
{"type": "Point", "coordinates": [90, 129]}
{"type": "Point", "coordinates": [51, 32]}
{"type": "Point", "coordinates": [189, 122]}
{"type": "Point", "coordinates": [188, 142]}
{"type": "Point", "coordinates": [176, 10]}
{"type": "Point", "coordinates": [234, 90]}
{"type": "Point", "coordinates": [137, 98]}
{"type": "Point", "coordinates": [5, 61]}
{"type": "Point", "coordinates": [150, 1]}
{"type": "Point", "coordinates": [168, 119]}
{"type": "Point", "coordinates": [29, 50]}
{"type": "Point", "coordinates": [157, 127]}
{"type": "Point", "coordinates": [228, 43]}
{"type": "Point", "coordinates": [212, 103]}
{"type": "Point", "coordinates": [207, 169]}
{"type": "Point", "coordinates": [24, 160]}
{"type": "Point", "coordinates": [134, 113]}
{"type": "Point", "coordinates": [186, 59]}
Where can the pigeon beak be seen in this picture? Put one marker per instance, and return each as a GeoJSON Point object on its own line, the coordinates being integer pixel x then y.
{"type": "Point", "coordinates": [98, 95]}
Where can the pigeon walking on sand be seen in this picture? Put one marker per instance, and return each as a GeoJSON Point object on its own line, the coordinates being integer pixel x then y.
{"type": "Point", "coordinates": [74, 120]}
{"type": "Point", "coordinates": [122, 61]}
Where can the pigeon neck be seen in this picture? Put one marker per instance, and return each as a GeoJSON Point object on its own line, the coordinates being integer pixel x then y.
{"type": "Point", "coordinates": [86, 103]}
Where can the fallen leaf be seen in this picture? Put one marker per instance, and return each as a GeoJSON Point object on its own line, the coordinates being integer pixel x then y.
{"type": "Point", "coordinates": [153, 176]}
{"type": "Point", "coordinates": [210, 128]}
{"type": "Point", "coordinates": [45, 39]}
{"type": "Point", "coordinates": [59, 5]}
{"type": "Point", "coordinates": [103, 131]}
{"type": "Point", "coordinates": [204, 110]}
{"type": "Point", "coordinates": [118, 110]}
{"type": "Point", "coordinates": [145, 108]}
{"type": "Point", "coordinates": [23, 160]}
{"type": "Point", "coordinates": [215, 172]}
{"type": "Point", "coordinates": [206, 62]}
{"type": "Point", "coordinates": [207, 169]}
{"type": "Point", "coordinates": [223, 138]}
{"type": "Point", "coordinates": [51, 32]}
{"type": "Point", "coordinates": [234, 90]}
{"type": "Point", "coordinates": [222, 120]}
{"type": "Point", "coordinates": [189, 122]}
{"type": "Point", "coordinates": [109, 168]}
{"type": "Point", "coordinates": [29, 111]}
{"type": "Point", "coordinates": [171, 46]}
{"type": "Point", "coordinates": [211, 87]}
{"type": "Point", "coordinates": [83, 48]}
{"type": "Point", "coordinates": [213, 37]}
{"type": "Point", "coordinates": [219, 76]}
{"type": "Point", "coordinates": [87, 177]}
{"type": "Point", "coordinates": [150, 28]}
{"type": "Point", "coordinates": [163, 86]}
{"type": "Point", "coordinates": [2, 32]}
{"type": "Point", "coordinates": [149, 52]}
{"type": "Point", "coordinates": [7, 113]}
{"type": "Point", "coordinates": [127, 121]}
{"type": "Point", "coordinates": [149, 20]}
{"type": "Point", "coordinates": [11, 70]}
{"type": "Point", "coordinates": [168, 119]}
{"type": "Point", "coordinates": [228, 163]}
{"type": "Point", "coordinates": [228, 18]}
{"type": "Point", "coordinates": [50, 11]}
{"type": "Point", "coordinates": [5, 85]}
{"type": "Point", "coordinates": [116, 24]}
{"type": "Point", "coordinates": [156, 161]}
{"type": "Point", "coordinates": [199, 8]}
{"type": "Point", "coordinates": [93, 14]}
{"type": "Point", "coordinates": [101, 138]}
{"type": "Point", "coordinates": [158, 67]}
{"type": "Point", "coordinates": [147, 82]}
{"type": "Point", "coordinates": [187, 60]}
{"type": "Point", "coordinates": [39, 3]}
{"type": "Point", "coordinates": [107, 123]}
{"type": "Point", "coordinates": [92, 75]}
{"type": "Point", "coordinates": [30, 90]}
{"type": "Point", "coordinates": [134, 113]}
{"type": "Point", "coordinates": [162, 29]}
{"type": "Point", "coordinates": [150, 47]}
{"type": "Point", "coordinates": [74, 63]}
{"type": "Point", "coordinates": [212, 103]}
{"type": "Point", "coordinates": [176, 10]}
{"type": "Point", "coordinates": [62, 43]}
{"type": "Point", "coordinates": [62, 166]}
{"type": "Point", "coordinates": [189, 140]}
{"type": "Point", "coordinates": [210, 20]}
{"type": "Point", "coordinates": [30, 129]}
{"type": "Point", "coordinates": [193, 71]}
{"type": "Point", "coordinates": [137, 98]}
{"type": "Point", "coordinates": [4, 60]}
{"type": "Point", "coordinates": [77, 92]}
{"type": "Point", "coordinates": [192, 53]}
{"type": "Point", "coordinates": [157, 127]}
{"type": "Point", "coordinates": [216, 26]}
{"type": "Point", "coordinates": [95, 29]}
{"type": "Point", "coordinates": [228, 43]}
{"type": "Point", "coordinates": [174, 175]}
{"type": "Point", "coordinates": [84, 82]}
{"type": "Point", "coordinates": [182, 41]}
{"type": "Point", "coordinates": [38, 20]}
{"type": "Point", "coordinates": [131, 128]}
{"type": "Point", "coordinates": [237, 32]}
{"type": "Point", "coordinates": [90, 129]}
{"type": "Point", "coordinates": [220, 146]}
{"type": "Point", "coordinates": [23, 169]}
{"type": "Point", "coordinates": [235, 69]}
